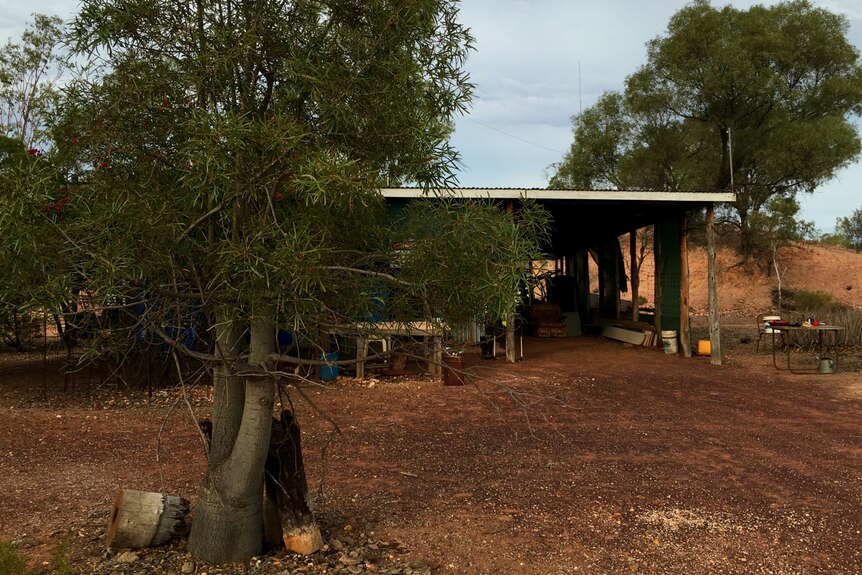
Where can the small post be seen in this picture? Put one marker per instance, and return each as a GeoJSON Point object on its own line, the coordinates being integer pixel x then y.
{"type": "Point", "coordinates": [361, 355]}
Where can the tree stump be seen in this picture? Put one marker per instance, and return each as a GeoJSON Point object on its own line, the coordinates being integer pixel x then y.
{"type": "Point", "coordinates": [144, 519]}
{"type": "Point", "coordinates": [288, 515]}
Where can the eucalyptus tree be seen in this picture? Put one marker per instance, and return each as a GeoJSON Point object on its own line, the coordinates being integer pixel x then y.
{"type": "Point", "coordinates": [775, 85]}
{"type": "Point", "coordinates": [849, 228]}
{"type": "Point", "coordinates": [32, 205]}
{"type": "Point", "coordinates": [30, 197]}
{"type": "Point", "coordinates": [225, 156]}
{"type": "Point", "coordinates": [30, 74]}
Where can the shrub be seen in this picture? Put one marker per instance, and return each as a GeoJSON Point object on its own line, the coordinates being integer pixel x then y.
{"type": "Point", "coordinates": [11, 563]}
{"type": "Point", "coordinates": [815, 301]}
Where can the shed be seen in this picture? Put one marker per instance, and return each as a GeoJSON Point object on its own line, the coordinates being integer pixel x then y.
{"type": "Point", "coordinates": [590, 222]}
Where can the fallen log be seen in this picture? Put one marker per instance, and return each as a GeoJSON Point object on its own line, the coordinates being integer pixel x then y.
{"type": "Point", "coordinates": [288, 517]}
{"type": "Point", "coordinates": [143, 519]}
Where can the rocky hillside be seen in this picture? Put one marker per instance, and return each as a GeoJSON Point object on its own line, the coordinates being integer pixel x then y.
{"type": "Point", "coordinates": [747, 290]}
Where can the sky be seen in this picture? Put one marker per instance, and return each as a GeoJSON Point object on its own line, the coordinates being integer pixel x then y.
{"type": "Point", "coordinates": [539, 62]}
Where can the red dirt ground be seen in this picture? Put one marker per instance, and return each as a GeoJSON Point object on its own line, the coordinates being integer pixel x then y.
{"type": "Point", "coordinates": [588, 457]}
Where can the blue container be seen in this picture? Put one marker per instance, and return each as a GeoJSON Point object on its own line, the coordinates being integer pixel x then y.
{"type": "Point", "coordinates": [329, 372]}
{"type": "Point", "coordinates": [285, 338]}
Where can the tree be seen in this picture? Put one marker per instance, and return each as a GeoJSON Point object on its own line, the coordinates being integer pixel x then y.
{"type": "Point", "coordinates": [225, 157]}
{"type": "Point", "coordinates": [29, 74]}
{"type": "Point", "coordinates": [775, 85]}
{"type": "Point", "coordinates": [604, 134]}
{"type": "Point", "coordinates": [32, 205]}
{"type": "Point", "coordinates": [30, 199]}
{"type": "Point", "coordinates": [775, 226]}
{"type": "Point", "coordinates": [850, 229]}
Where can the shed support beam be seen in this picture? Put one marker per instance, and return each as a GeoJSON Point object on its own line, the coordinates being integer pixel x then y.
{"type": "Point", "coordinates": [659, 268]}
{"type": "Point", "coordinates": [684, 324]}
{"type": "Point", "coordinates": [510, 321]}
{"type": "Point", "coordinates": [714, 329]}
{"type": "Point", "coordinates": [634, 273]}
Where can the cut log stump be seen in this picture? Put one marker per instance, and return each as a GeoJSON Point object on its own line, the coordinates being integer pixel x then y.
{"type": "Point", "coordinates": [143, 519]}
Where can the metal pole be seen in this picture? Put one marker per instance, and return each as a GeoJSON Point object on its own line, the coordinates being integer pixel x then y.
{"type": "Point", "coordinates": [730, 159]}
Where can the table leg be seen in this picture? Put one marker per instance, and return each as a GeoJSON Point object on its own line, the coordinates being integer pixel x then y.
{"type": "Point", "coordinates": [774, 360]}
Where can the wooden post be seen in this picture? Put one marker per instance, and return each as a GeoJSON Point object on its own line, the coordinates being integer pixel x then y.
{"type": "Point", "coordinates": [361, 355]}
{"type": "Point", "coordinates": [714, 329]}
{"type": "Point", "coordinates": [583, 272]}
{"type": "Point", "coordinates": [142, 519]}
{"type": "Point", "coordinates": [511, 355]}
{"type": "Point", "coordinates": [634, 273]}
{"type": "Point", "coordinates": [656, 250]}
{"type": "Point", "coordinates": [684, 324]}
{"type": "Point", "coordinates": [435, 366]}
{"type": "Point", "coordinates": [600, 264]}
{"type": "Point", "coordinates": [510, 321]}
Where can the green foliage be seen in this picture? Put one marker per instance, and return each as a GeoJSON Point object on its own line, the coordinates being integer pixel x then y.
{"type": "Point", "coordinates": [11, 562]}
{"type": "Point", "coordinates": [223, 160]}
{"type": "Point", "coordinates": [465, 261]}
{"type": "Point", "coordinates": [849, 230]}
{"type": "Point", "coordinates": [851, 320]}
{"type": "Point", "coordinates": [777, 224]}
{"type": "Point", "coordinates": [813, 301]}
{"type": "Point", "coordinates": [33, 208]}
{"type": "Point", "coordinates": [778, 84]}
{"type": "Point", "coordinates": [61, 560]}
{"type": "Point", "coordinates": [29, 73]}
{"type": "Point", "coordinates": [603, 135]}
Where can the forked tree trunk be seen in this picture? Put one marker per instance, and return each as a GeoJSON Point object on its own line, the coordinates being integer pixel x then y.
{"type": "Point", "coordinates": [289, 516]}
{"type": "Point", "coordinates": [228, 518]}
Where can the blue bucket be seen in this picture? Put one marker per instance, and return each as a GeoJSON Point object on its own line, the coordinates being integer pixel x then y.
{"type": "Point", "coordinates": [329, 372]}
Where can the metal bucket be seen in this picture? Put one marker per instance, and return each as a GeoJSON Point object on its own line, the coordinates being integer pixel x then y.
{"type": "Point", "coordinates": [668, 342]}
{"type": "Point", "coordinates": [827, 365]}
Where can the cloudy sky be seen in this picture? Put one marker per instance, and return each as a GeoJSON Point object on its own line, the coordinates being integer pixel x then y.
{"type": "Point", "coordinates": [538, 62]}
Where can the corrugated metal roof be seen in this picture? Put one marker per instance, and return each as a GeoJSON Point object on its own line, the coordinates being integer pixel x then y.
{"type": "Point", "coordinates": [560, 194]}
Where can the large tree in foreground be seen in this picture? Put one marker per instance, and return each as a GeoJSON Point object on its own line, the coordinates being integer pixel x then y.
{"type": "Point", "coordinates": [225, 157]}
{"type": "Point", "coordinates": [779, 83]}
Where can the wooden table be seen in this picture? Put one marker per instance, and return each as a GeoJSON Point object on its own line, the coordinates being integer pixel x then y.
{"type": "Point", "coordinates": [821, 346]}
{"type": "Point", "coordinates": [364, 332]}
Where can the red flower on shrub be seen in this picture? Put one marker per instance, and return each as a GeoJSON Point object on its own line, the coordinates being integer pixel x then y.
{"type": "Point", "coordinates": [34, 151]}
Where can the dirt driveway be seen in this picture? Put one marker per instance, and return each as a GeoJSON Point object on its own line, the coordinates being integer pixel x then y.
{"type": "Point", "coordinates": [589, 457]}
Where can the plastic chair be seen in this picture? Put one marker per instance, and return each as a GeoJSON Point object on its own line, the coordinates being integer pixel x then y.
{"type": "Point", "coordinates": [763, 327]}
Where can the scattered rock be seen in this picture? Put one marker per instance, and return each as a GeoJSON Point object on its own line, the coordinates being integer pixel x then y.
{"type": "Point", "coordinates": [188, 567]}
{"type": "Point", "coordinates": [127, 557]}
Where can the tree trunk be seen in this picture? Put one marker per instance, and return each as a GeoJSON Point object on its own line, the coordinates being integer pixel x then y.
{"type": "Point", "coordinates": [228, 520]}
{"type": "Point", "coordinates": [142, 519]}
{"type": "Point", "coordinates": [289, 518]}
{"type": "Point", "coordinates": [777, 273]}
